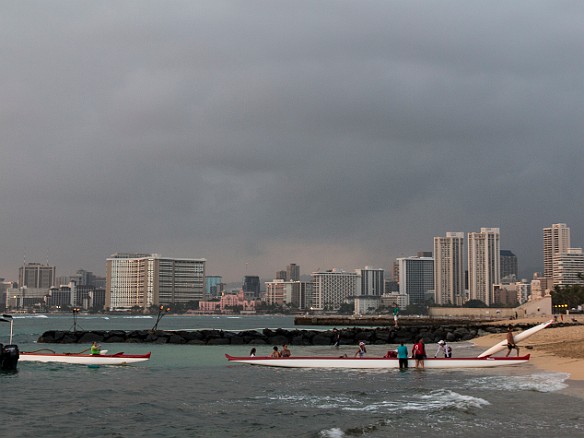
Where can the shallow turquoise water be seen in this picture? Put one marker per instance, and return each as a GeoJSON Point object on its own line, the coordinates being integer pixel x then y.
{"type": "Point", "coordinates": [193, 391]}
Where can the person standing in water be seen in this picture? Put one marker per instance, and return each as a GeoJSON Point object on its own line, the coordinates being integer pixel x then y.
{"type": "Point", "coordinates": [419, 353]}
{"type": "Point", "coordinates": [402, 356]}
{"type": "Point", "coordinates": [511, 342]}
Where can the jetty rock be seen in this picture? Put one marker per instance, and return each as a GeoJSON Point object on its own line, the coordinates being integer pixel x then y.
{"type": "Point", "coordinates": [348, 335]}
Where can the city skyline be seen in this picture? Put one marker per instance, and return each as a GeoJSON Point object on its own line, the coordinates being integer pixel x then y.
{"type": "Point", "coordinates": [307, 272]}
{"type": "Point", "coordinates": [389, 270]}
{"type": "Point", "coordinates": [254, 134]}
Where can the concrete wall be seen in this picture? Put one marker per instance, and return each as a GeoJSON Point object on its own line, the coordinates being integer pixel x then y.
{"type": "Point", "coordinates": [535, 308]}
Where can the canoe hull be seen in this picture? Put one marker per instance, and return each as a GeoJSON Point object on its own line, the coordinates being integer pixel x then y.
{"type": "Point", "coordinates": [517, 338]}
{"type": "Point", "coordinates": [377, 363]}
{"type": "Point", "coordinates": [84, 359]}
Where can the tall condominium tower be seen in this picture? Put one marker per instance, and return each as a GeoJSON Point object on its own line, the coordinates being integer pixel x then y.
{"type": "Point", "coordinates": [449, 269]}
{"type": "Point", "coordinates": [556, 240]}
{"type": "Point", "coordinates": [484, 264]}
{"type": "Point", "coordinates": [144, 280]}
{"type": "Point", "coordinates": [293, 272]}
{"type": "Point", "coordinates": [508, 264]}
{"type": "Point", "coordinates": [36, 276]}
{"type": "Point", "coordinates": [371, 281]}
{"type": "Point", "coordinates": [416, 277]}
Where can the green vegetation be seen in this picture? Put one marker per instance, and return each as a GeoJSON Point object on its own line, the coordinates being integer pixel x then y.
{"type": "Point", "coordinates": [571, 296]}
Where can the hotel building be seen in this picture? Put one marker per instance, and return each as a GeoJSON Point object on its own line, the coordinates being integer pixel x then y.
{"type": "Point", "coordinates": [36, 276]}
{"type": "Point", "coordinates": [332, 288]}
{"type": "Point", "coordinates": [568, 267]}
{"type": "Point", "coordinates": [416, 277]}
{"type": "Point", "coordinates": [147, 280]}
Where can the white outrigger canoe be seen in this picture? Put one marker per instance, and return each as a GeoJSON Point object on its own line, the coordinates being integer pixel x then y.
{"type": "Point", "coordinates": [84, 359]}
{"type": "Point", "coordinates": [484, 360]}
{"type": "Point", "coordinates": [375, 362]}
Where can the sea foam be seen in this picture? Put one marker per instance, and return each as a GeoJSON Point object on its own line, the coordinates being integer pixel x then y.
{"type": "Point", "coordinates": [540, 382]}
{"type": "Point", "coordinates": [335, 432]}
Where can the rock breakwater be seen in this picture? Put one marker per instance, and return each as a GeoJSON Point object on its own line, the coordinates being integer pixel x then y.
{"type": "Point", "coordinates": [348, 336]}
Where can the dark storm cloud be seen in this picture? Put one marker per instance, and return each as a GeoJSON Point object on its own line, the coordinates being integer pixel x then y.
{"type": "Point", "coordinates": [330, 134]}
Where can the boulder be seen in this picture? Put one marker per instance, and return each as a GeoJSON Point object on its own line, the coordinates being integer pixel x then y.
{"type": "Point", "coordinates": [218, 341]}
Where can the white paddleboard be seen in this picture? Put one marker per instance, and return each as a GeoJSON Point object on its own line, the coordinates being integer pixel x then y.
{"type": "Point", "coordinates": [517, 338]}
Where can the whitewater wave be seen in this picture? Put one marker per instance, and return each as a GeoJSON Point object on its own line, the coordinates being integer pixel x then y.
{"type": "Point", "coordinates": [137, 317]}
{"type": "Point", "coordinates": [335, 432]}
{"type": "Point", "coordinates": [326, 402]}
{"type": "Point", "coordinates": [28, 316]}
{"type": "Point", "coordinates": [438, 400]}
{"type": "Point", "coordinates": [540, 382]}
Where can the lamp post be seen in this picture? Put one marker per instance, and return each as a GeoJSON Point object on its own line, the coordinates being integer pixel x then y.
{"type": "Point", "coordinates": [75, 311]}
{"type": "Point", "coordinates": [161, 309]}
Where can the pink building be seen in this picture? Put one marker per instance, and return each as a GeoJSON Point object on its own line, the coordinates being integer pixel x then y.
{"type": "Point", "coordinates": [227, 303]}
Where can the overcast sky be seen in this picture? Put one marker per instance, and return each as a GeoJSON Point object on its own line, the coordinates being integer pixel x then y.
{"type": "Point", "coordinates": [331, 134]}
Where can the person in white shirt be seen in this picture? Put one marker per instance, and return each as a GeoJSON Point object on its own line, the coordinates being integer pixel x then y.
{"type": "Point", "coordinates": [443, 350]}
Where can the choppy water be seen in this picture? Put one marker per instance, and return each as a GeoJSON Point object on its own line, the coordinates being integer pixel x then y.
{"type": "Point", "coordinates": [192, 391]}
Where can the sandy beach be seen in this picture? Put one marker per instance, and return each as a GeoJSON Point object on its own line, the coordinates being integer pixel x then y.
{"type": "Point", "coordinates": [559, 349]}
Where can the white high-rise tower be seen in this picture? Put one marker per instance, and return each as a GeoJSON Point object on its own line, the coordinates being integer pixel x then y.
{"type": "Point", "coordinates": [484, 264]}
{"type": "Point", "coordinates": [556, 241]}
{"type": "Point", "coordinates": [449, 269]}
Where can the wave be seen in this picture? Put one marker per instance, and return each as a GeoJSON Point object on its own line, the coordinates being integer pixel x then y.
{"type": "Point", "coordinates": [540, 382]}
{"type": "Point", "coordinates": [137, 317]}
{"type": "Point", "coordinates": [326, 402]}
{"type": "Point", "coordinates": [438, 400]}
{"type": "Point", "coordinates": [28, 316]}
{"type": "Point", "coordinates": [335, 432]}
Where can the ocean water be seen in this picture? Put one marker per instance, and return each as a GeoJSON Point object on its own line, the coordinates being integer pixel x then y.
{"type": "Point", "coordinates": [192, 391]}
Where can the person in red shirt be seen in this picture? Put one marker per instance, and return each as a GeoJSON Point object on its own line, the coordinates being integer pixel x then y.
{"type": "Point", "coordinates": [419, 353]}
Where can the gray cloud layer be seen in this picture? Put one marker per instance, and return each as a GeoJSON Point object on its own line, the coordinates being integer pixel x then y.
{"type": "Point", "coordinates": [260, 133]}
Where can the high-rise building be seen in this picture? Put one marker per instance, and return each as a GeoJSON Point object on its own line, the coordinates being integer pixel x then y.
{"type": "Point", "coordinates": [277, 292]}
{"type": "Point", "coordinates": [395, 271]}
{"type": "Point", "coordinates": [371, 281]}
{"type": "Point", "coordinates": [293, 272]}
{"type": "Point", "coordinates": [294, 293]}
{"type": "Point", "coordinates": [484, 264]}
{"type": "Point", "coordinates": [86, 278]}
{"type": "Point", "coordinates": [36, 275]}
{"type": "Point", "coordinates": [332, 288]}
{"type": "Point", "coordinates": [213, 285]}
{"type": "Point", "coordinates": [568, 267]}
{"type": "Point", "coordinates": [556, 240]}
{"type": "Point", "coordinates": [416, 278]}
{"type": "Point", "coordinates": [251, 287]}
{"type": "Point", "coordinates": [508, 265]}
{"type": "Point", "coordinates": [145, 280]}
{"type": "Point", "coordinates": [449, 269]}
